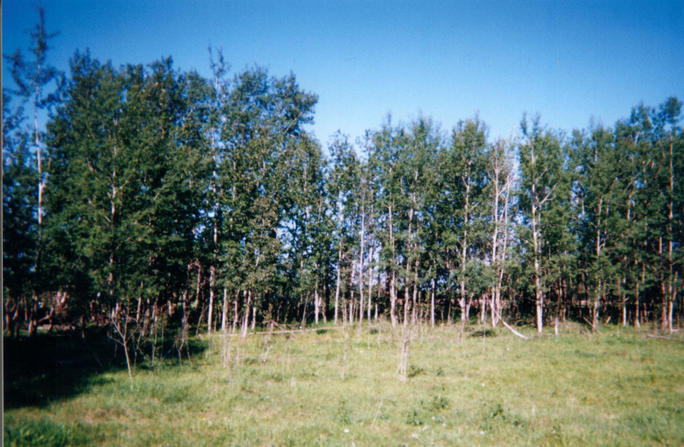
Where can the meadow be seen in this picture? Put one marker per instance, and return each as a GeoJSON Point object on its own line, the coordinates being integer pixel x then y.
{"type": "Point", "coordinates": [341, 386]}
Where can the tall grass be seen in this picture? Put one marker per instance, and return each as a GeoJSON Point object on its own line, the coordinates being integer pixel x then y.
{"type": "Point", "coordinates": [344, 387]}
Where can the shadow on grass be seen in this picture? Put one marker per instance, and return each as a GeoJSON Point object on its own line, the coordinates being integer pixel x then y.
{"type": "Point", "coordinates": [50, 367]}
{"type": "Point", "coordinates": [484, 333]}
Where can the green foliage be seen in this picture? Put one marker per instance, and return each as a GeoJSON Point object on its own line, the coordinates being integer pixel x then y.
{"type": "Point", "coordinates": [157, 188]}
{"type": "Point", "coordinates": [20, 190]}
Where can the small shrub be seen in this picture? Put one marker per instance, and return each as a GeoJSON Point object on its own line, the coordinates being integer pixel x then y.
{"type": "Point", "coordinates": [414, 417]}
{"type": "Point", "coordinates": [440, 403]}
{"type": "Point", "coordinates": [414, 370]}
{"type": "Point", "coordinates": [496, 415]}
{"type": "Point", "coordinates": [343, 413]}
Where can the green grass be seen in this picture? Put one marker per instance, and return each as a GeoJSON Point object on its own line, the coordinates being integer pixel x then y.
{"type": "Point", "coordinates": [341, 387]}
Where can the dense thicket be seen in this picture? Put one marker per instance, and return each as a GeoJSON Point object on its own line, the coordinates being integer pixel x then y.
{"type": "Point", "coordinates": [156, 197]}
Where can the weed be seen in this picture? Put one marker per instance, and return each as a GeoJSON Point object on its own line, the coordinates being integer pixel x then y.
{"type": "Point", "coordinates": [414, 417]}
{"type": "Point", "coordinates": [440, 403]}
{"type": "Point", "coordinates": [344, 413]}
{"type": "Point", "coordinates": [414, 370]}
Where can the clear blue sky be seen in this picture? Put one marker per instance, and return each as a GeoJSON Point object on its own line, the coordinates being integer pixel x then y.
{"type": "Point", "coordinates": [568, 61]}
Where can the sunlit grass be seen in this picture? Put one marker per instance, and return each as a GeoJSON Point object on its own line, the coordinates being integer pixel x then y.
{"type": "Point", "coordinates": [341, 387]}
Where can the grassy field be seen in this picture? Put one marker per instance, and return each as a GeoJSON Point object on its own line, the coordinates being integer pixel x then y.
{"type": "Point", "coordinates": [341, 387]}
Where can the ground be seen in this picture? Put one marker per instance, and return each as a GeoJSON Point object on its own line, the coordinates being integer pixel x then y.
{"type": "Point", "coordinates": [340, 386]}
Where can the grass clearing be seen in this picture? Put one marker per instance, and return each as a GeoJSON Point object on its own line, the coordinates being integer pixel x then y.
{"type": "Point", "coordinates": [341, 387]}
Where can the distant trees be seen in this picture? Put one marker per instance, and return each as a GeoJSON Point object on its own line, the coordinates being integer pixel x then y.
{"type": "Point", "coordinates": [156, 196]}
{"type": "Point", "coordinates": [628, 193]}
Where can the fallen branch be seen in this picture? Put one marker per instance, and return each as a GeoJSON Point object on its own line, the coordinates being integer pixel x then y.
{"type": "Point", "coordinates": [663, 337]}
{"type": "Point", "coordinates": [510, 328]}
{"type": "Point", "coordinates": [290, 331]}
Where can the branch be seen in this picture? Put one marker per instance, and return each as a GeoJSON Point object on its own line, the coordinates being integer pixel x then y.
{"type": "Point", "coordinates": [510, 328]}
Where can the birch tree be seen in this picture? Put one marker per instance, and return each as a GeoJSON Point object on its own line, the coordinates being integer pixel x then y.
{"type": "Point", "coordinates": [36, 84]}
{"type": "Point", "coordinates": [465, 163]}
{"type": "Point", "coordinates": [540, 164]}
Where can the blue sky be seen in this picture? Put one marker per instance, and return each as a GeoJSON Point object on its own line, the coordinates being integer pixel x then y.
{"type": "Point", "coordinates": [448, 60]}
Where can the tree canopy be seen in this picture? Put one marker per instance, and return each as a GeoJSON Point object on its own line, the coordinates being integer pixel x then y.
{"type": "Point", "coordinates": [155, 191]}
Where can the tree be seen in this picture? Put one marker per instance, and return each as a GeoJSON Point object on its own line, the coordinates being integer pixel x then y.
{"type": "Point", "coordinates": [342, 179]}
{"type": "Point", "coordinates": [385, 164]}
{"type": "Point", "coordinates": [540, 165]}
{"type": "Point", "coordinates": [464, 164]}
{"type": "Point", "coordinates": [262, 140]}
{"type": "Point", "coordinates": [499, 189]}
{"type": "Point", "coordinates": [38, 84]}
{"type": "Point", "coordinates": [127, 175]}
{"type": "Point", "coordinates": [19, 228]}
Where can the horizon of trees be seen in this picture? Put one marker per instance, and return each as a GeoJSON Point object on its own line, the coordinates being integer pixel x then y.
{"type": "Point", "coordinates": [155, 197]}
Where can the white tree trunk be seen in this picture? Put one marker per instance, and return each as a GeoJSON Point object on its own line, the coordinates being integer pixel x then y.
{"type": "Point", "coordinates": [393, 283]}
{"type": "Point", "coordinates": [210, 316]}
{"type": "Point", "coordinates": [224, 312]}
{"type": "Point", "coordinates": [245, 321]}
{"type": "Point", "coordinates": [362, 234]}
{"type": "Point", "coordinates": [539, 295]}
{"type": "Point", "coordinates": [337, 286]}
{"type": "Point", "coordinates": [370, 284]}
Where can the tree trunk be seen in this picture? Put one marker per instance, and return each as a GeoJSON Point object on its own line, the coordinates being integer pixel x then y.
{"type": "Point", "coordinates": [120, 324]}
{"type": "Point", "coordinates": [184, 326]}
{"type": "Point", "coordinates": [407, 276]}
{"type": "Point", "coordinates": [595, 310]}
{"type": "Point", "coordinates": [235, 312]}
{"type": "Point", "coordinates": [306, 299]}
{"type": "Point", "coordinates": [599, 286]}
{"type": "Point", "coordinates": [317, 305]}
{"type": "Point", "coordinates": [370, 285]}
{"type": "Point", "coordinates": [464, 251]}
{"type": "Point", "coordinates": [671, 274]}
{"type": "Point", "coordinates": [415, 292]}
{"type": "Point", "coordinates": [495, 234]}
{"type": "Point", "coordinates": [432, 304]}
{"type": "Point", "coordinates": [539, 296]}
{"type": "Point", "coordinates": [245, 320]}
{"type": "Point", "coordinates": [363, 233]}
{"type": "Point", "coordinates": [407, 303]}
{"type": "Point", "coordinates": [210, 319]}
{"type": "Point", "coordinates": [393, 298]}
{"type": "Point", "coordinates": [337, 286]}
{"type": "Point", "coordinates": [670, 311]}
{"type": "Point", "coordinates": [393, 283]}
{"type": "Point", "coordinates": [224, 311]}
{"type": "Point", "coordinates": [483, 308]}
{"type": "Point", "coordinates": [31, 315]}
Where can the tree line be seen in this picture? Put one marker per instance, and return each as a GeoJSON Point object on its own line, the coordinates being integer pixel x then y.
{"type": "Point", "coordinates": [154, 196]}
